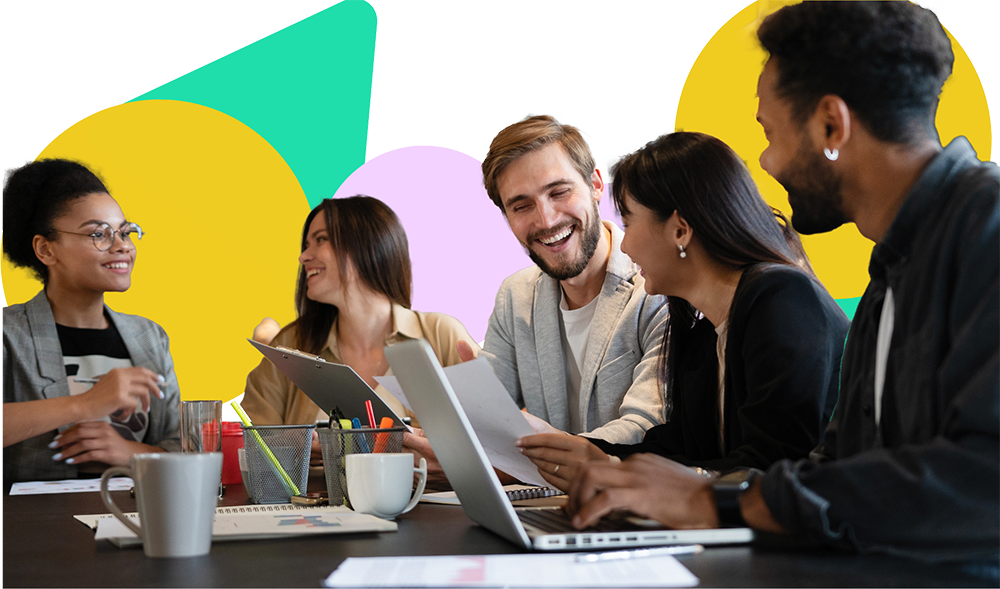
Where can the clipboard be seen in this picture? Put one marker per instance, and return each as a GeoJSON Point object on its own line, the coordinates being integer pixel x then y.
{"type": "Point", "coordinates": [330, 385]}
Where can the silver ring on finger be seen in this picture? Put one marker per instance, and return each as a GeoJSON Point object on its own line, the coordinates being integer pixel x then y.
{"type": "Point", "coordinates": [556, 471]}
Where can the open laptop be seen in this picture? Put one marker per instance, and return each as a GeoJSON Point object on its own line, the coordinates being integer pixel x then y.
{"type": "Point", "coordinates": [478, 488]}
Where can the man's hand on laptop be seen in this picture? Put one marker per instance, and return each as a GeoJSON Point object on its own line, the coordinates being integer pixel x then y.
{"type": "Point", "coordinates": [558, 456]}
{"type": "Point", "coordinates": [646, 484]}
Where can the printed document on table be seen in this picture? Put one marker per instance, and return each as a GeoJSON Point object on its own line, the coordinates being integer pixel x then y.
{"type": "Point", "coordinates": [232, 525]}
{"type": "Point", "coordinates": [493, 414]}
{"type": "Point", "coordinates": [69, 486]}
{"type": "Point", "coordinates": [510, 570]}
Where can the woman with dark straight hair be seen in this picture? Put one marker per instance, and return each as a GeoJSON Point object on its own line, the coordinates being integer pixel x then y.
{"type": "Point", "coordinates": [353, 299]}
{"type": "Point", "coordinates": [751, 360]}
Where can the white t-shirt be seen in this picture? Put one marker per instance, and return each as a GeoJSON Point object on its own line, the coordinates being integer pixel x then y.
{"type": "Point", "coordinates": [575, 332]}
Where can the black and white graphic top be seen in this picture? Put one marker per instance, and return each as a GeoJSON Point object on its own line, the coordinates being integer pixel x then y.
{"type": "Point", "coordinates": [91, 353]}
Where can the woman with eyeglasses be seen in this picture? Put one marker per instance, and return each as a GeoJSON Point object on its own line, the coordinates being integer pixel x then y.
{"type": "Point", "coordinates": [84, 387]}
{"type": "Point", "coordinates": [752, 349]}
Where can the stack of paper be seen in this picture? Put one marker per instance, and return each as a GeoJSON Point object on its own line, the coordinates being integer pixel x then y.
{"type": "Point", "coordinates": [510, 570]}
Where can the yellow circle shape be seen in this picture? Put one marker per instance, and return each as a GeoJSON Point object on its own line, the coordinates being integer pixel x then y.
{"type": "Point", "coordinates": [719, 98]}
{"type": "Point", "coordinates": [224, 215]}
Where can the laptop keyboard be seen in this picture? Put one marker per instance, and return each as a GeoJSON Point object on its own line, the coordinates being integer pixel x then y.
{"type": "Point", "coordinates": [556, 521]}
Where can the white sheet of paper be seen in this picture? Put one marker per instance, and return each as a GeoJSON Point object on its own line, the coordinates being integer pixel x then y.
{"type": "Point", "coordinates": [69, 486]}
{"type": "Point", "coordinates": [441, 498]}
{"type": "Point", "coordinates": [493, 414]}
{"type": "Point", "coordinates": [391, 384]}
{"type": "Point", "coordinates": [509, 570]}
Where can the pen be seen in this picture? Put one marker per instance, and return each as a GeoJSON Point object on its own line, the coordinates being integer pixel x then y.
{"type": "Point", "coordinates": [371, 414]}
{"type": "Point", "coordinates": [640, 553]}
{"type": "Point", "coordinates": [361, 437]}
{"type": "Point", "coordinates": [97, 380]}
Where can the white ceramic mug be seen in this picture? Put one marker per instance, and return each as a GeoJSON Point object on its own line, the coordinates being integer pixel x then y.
{"type": "Point", "coordinates": [176, 496]}
{"type": "Point", "coordinates": [379, 483]}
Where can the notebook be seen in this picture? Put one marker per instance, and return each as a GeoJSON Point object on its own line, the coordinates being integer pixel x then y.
{"type": "Point", "coordinates": [255, 522]}
{"type": "Point", "coordinates": [464, 462]}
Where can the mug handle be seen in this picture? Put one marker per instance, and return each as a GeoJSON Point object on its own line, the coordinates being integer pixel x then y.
{"type": "Point", "coordinates": [422, 471]}
{"type": "Point", "coordinates": [111, 504]}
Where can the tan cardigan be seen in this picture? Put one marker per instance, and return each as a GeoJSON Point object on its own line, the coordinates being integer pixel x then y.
{"type": "Point", "coordinates": [272, 399]}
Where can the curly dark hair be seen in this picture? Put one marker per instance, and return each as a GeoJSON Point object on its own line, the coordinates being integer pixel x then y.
{"type": "Point", "coordinates": [887, 60]}
{"type": "Point", "coordinates": [34, 196]}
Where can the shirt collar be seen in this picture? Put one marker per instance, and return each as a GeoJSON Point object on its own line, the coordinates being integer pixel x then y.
{"type": "Point", "coordinates": [920, 203]}
{"type": "Point", "coordinates": [405, 325]}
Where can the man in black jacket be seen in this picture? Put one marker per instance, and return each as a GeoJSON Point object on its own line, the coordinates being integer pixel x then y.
{"type": "Point", "coordinates": [911, 463]}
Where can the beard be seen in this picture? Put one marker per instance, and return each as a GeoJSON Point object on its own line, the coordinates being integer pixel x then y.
{"type": "Point", "coordinates": [589, 239]}
{"type": "Point", "coordinates": [813, 192]}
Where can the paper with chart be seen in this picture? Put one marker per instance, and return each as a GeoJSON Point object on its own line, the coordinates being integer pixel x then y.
{"type": "Point", "coordinates": [510, 570]}
{"type": "Point", "coordinates": [493, 414]}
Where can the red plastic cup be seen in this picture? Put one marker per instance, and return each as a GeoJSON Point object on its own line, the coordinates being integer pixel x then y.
{"type": "Point", "coordinates": [232, 441]}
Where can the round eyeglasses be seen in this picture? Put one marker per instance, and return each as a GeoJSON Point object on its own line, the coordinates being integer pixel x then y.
{"type": "Point", "coordinates": [104, 236]}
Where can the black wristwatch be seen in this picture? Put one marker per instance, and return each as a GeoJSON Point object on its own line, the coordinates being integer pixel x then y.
{"type": "Point", "coordinates": [727, 490]}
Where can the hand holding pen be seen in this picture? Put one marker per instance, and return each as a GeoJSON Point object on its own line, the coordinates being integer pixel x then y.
{"type": "Point", "coordinates": [121, 391]}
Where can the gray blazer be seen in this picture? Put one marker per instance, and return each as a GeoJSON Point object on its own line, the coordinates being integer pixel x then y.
{"type": "Point", "coordinates": [620, 392]}
{"type": "Point", "coordinates": [33, 369]}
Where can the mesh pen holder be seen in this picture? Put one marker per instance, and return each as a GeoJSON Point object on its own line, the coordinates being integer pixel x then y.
{"type": "Point", "coordinates": [291, 446]}
{"type": "Point", "coordinates": [338, 443]}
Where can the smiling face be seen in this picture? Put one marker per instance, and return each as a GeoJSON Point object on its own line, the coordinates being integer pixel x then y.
{"type": "Point", "coordinates": [792, 158]}
{"type": "Point", "coordinates": [651, 244]}
{"type": "Point", "coordinates": [323, 276]}
{"type": "Point", "coordinates": [552, 210]}
{"type": "Point", "coordinates": [74, 262]}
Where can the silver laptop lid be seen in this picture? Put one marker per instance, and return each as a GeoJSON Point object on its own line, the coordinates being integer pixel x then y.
{"type": "Point", "coordinates": [455, 443]}
{"type": "Point", "coordinates": [464, 461]}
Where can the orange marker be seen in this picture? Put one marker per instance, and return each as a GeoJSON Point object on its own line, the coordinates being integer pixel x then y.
{"type": "Point", "coordinates": [382, 440]}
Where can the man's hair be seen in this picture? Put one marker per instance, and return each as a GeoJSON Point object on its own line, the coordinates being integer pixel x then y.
{"type": "Point", "coordinates": [524, 137]}
{"type": "Point", "coordinates": [886, 60]}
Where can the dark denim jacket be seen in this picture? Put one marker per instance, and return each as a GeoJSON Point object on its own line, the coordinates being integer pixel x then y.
{"type": "Point", "coordinates": [926, 482]}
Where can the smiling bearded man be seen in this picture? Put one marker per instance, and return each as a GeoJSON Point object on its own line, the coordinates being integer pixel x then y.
{"type": "Point", "coordinates": [575, 338]}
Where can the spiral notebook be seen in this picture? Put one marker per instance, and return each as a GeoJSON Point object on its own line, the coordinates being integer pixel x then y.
{"type": "Point", "coordinates": [518, 495]}
{"type": "Point", "coordinates": [255, 522]}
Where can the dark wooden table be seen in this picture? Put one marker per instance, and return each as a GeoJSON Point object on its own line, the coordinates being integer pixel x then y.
{"type": "Point", "coordinates": [43, 546]}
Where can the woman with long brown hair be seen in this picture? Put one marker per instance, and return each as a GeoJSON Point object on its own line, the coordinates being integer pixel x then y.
{"type": "Point", "coordinates": [353, 299]}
